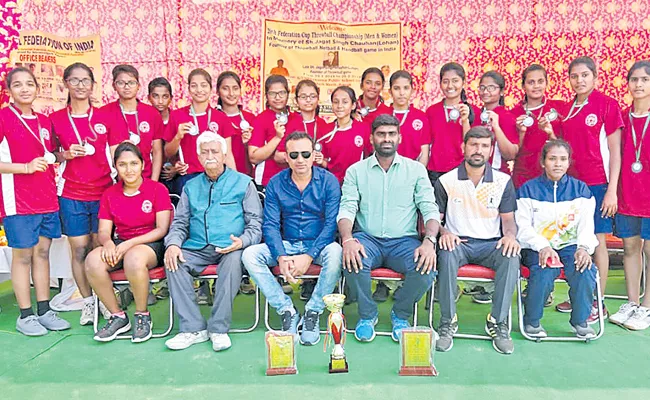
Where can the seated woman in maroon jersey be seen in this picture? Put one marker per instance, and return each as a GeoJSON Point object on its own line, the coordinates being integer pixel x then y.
{"type": "Point", "coordinates": [140, 211]}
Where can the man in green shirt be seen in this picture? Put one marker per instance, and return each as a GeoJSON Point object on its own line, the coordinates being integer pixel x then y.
{"type": "Point", "coordinates": [383, 194]}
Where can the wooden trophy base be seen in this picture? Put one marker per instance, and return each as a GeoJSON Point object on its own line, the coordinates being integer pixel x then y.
{"type": "Point", "coordinates": [418, 371]}
{"type": "Point", "coordinates": [281, 371]}
{"type": "Point", "coordinates": [338, 365]}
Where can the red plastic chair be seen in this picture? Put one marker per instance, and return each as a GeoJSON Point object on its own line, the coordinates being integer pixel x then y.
{"type": "Point", "coordinates": [118, 277]}
{"type": "Point", "coordinates": [523, 275]}
{"type": "Point", "coordinates": [211, 272]}
{"type": "Point", "coordinates": [471, 273]}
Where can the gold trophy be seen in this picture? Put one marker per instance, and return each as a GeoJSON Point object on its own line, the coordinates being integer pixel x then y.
{"type": "Point", "coordinates": [336, 329]}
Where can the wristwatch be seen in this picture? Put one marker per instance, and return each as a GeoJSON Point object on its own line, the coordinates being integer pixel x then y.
{"type": "Point", "coordinates": [432, 239]}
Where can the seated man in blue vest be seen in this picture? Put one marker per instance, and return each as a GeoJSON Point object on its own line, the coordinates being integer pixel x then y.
{"type": "Point", "coordinates": [299, 227]}
{"type": "Point", "coordinates": [218, 216]}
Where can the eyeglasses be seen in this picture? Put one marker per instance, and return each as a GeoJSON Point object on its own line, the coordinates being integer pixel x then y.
{"type": "Point", "coordinates": [294, 154]}
{"type": "Point", "coordinates": [121, 84]}
{"type": "Point", "coordinates": [87, 82]}
{"type": "Point", "coordinates": [278, 95]}
{"type": "Point", "coordinates": [304, 97]}
{"type": "Point", "coordinates": [488, 88]}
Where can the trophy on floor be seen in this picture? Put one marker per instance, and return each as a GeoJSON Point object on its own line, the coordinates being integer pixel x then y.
{"type": "Point", "coordinates": [336, 329]}
{"type": "Point", "coordinates": [280, 353]}
{"type": "Point", "coordinates": [417, 346]}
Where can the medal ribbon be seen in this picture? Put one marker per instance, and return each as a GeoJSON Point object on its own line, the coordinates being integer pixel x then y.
{"type": "Point", "coordinates": [37, 137]}
{"type": "Point", "coordinates": [76, 132]}
{"type": "Point", "coordinates": [580, 107]}
{"type": "Point", "coordinates": [637, 149]}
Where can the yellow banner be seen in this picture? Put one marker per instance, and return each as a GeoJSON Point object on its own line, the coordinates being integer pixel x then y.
{"type": "Point", "coordinates": [48, 55]}
{"type": "Point", "coordinates": [331, 54]}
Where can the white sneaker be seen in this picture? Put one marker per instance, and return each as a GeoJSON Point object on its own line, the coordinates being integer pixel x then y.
{"type": "Point", "coordinates": [104, 311]}
{"type": "Point", "coordinates": [220, 341]}
{"type": "Point", "coordinates": [184, 340]}
{"type": "Point", "coordinates": [624, 313]}
{"type": "Point", "coordinates": [87, 313]}
{"type": "Point", "coordinates": [640, 320]}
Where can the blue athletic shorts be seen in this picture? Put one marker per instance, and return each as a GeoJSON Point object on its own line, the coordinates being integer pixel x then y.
{"type": "Point", "coordinates": [78, 218]}
{"type": "Point", "coordinates": [628, 226]}
{"type": "Point", "coordinates": [601, 225]}
{"type": "Point", "coordinates": [23, 231]}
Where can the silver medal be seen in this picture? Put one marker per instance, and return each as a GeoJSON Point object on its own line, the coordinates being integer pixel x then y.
{"type": "Point", "coordinates": [454, 114]}
{"type": "Point", "coordinates": [194, 130]}
{"type": "Point", "coordinates": [364, 112]}
{"type": "Point", "coordinates": [89, 148]}
{"type": "Point", "coordinates": [318, 147]}
{"type": "Point", "coordinates": [282, 118]}
{"type": "Point", "coordinates": [485, 117]}
{"type": "Point", "coordinates": [528, 121]}
{"type": "Point", "coordinates": [637, 167]}
{"type": "Point", "coordinates": [50, 157]}
{"type": "Point", "coordinates": [244, 125]}
{"type": "Point", "coordinates": [134, 138]}
{"type": "Point", "coordinates": [551, 115]}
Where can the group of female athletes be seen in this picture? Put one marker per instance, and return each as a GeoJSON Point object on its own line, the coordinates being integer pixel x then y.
{"type": "Point", "coordinates": [139, 145]}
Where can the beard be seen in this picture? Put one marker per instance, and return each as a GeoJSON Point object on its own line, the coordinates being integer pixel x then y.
{"type": "Point", "coordinates": [476, 163]}
{"type": "Point", "coordinates": [385, 152]}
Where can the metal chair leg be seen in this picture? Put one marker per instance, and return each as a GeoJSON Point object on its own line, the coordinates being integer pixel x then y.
{"type": "Point", "coordinates": [601, 318]}
{"type": "Point", "coordinates": [257, 315]}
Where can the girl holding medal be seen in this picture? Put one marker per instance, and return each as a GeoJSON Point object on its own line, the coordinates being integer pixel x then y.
{"type": "Point", "coordinates": [305, 120]}
{"type": "Point", "coordinates": [348, 139]}
{"type": "Point", "coordinates": [84, 174]}
{"type": "Point", "coordinates": [269, 129]}
{"type": "Point", "coordinates": [498, 119]}
{"type": "Point", "coordinates": [449, 120]}
{"type": "Point", "coordinates": [414, 125]}
{"type": "Point", "coordinates": [229, 90]}
{"type": "Point", "coordinates": [537, 119]}
{"type": "Point", "coordinates": [592, 126]}
{"type": "Point", "coordinates": [633, 217]}
{"type": "Point", "coordinates": [141, 122]}
{"type": "Point", "coordinates": [28, 206]}
{"type": "Point", "coordinates": [370, 103]}
{"type": "Point", "coordinates": [187, 123]}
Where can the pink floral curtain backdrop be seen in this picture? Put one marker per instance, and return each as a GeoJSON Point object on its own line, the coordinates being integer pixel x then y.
{"type": "Point", "coordinates": [170, 37]}
{"type": "Point", "coordinates": [9, 28]}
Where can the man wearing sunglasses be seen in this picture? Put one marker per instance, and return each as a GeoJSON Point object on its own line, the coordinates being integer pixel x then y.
{"type": "Point", "coordinates": [299, 226]}
{"type": "Point", "coordinates": [383, 195]}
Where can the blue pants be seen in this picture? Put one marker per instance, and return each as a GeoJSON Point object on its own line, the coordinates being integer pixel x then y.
{"type": "Point", "coordinates": [541, 282]}
{"type": "Point", "coordinates": [396, 254]}
{"type": "Point", "coordinates": [257, 260]}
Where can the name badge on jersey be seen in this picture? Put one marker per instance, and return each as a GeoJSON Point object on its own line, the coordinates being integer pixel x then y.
{"type": "Point", "coordinates": [144, 126]}
{"type": "Point", "coordinates": [591, 120]}
{"type": "Point", "coordinates": [147, 206]}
